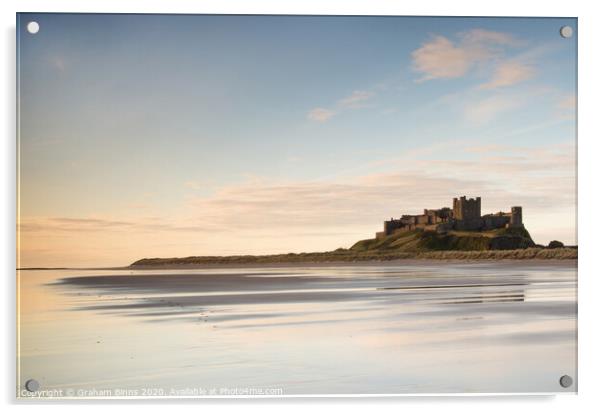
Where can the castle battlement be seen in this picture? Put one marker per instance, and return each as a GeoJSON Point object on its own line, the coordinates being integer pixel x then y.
{"type": "Point", "coordinates": [465, 215]}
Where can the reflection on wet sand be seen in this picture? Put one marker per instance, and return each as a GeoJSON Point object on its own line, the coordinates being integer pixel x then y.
{"type": "Point", "coordinates": [331, 329]}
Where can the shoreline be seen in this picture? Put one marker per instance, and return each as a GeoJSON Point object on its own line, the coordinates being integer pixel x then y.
{"type": "Point", "coordinates": [529, 256]}
{"type": "Point", "coordinates": [366, 263]}
{"type": "Point", "coordinates": [551, 262]}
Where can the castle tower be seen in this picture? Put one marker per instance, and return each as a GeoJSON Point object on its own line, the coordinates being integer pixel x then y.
{"type": "Point", "coordinates": [467, 209]}
{"type": "Point", "coordinates": [516, 216]}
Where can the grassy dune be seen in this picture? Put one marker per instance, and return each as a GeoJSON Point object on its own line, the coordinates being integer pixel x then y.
{"type": "Point", "coordinates": [522, 254]}
{"type": "Point", "coordinates": [347, 256]}
{"type": "Point", "coordinates": [344, 255]}
{"type": "Point", "coordinates": [422, 241]}
{"type": "Point", "coordinates": [511, 244]}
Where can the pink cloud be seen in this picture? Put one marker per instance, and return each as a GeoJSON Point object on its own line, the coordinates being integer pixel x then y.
{"type": "Point", "coordinates": [320, 114]}
{"type": "Point", "coordinates": [356, 100]}
{"type": "Point", "coordinates": [318, 215]}
{"type": "Point", "coordinates": [442, 58]}
{"type": "Point", "coordinates": [509, 73]}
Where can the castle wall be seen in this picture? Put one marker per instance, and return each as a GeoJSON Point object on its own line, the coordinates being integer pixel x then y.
{"type": "Point", "coordinates": [467, 209]}
{"type": "Point", "coordinates": [392, 225]}
{"type": "Point", "coordinates": [408, 219]}
{"type": "Point", "coordinates": [495, 221]}
{"type": "Point", "coordinates": [422, 219]}
{"type": "Point", "coordinates": [516, 216]}
{"type": "Point", "coordinates": [474, 224]}
{"type": "Point", "coordinates": [464, 216]}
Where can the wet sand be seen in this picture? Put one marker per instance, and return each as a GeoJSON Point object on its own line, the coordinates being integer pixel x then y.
{"type": "Point", "coordinates": [311, 328]}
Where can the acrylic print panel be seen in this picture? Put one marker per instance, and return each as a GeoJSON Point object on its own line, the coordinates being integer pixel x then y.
{"type": "Point", "coordinates": [202, 198]}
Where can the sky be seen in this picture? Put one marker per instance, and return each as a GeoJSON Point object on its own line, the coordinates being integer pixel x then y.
{"type": "Point", "coordinates": [179, 135]}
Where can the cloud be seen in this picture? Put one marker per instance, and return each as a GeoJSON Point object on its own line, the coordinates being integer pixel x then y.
{"type": "Point", "coordinates": [565, 108]}
{"type": "Point", "coordinates": [320, 114]}
{"type": "Point", "coordinates": [568, 102]}
{"type": "Point", "coordinates": [485, 110]}
{"type": "Point", "coordinates": [260, 216]}
{"type": "Point", "coordinates": [302, 205]}
{"type": "Point", "coordinates": [537, 174]}
{"type": "Point", "coordinates": [481, 36]}
{"type": "Point", "coordinates": [478, 106]}
{"type": "Point", "coordinates": [509, 73]}
{"type": "Point", "coordinates": [442, 58]}
{"type": "Point", "coordinates": [265, 217]}
{"type": "Point", "coordinates": [356, 100]}
{"type": "Point", "coordinates": [87, 224]}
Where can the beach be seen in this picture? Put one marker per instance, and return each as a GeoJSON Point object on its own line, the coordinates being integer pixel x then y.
{"type": "Point", "coordinates": [370, 328]}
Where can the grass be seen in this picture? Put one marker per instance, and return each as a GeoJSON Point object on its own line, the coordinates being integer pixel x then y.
{"type": "Point", "coordinates": [344, 255]}
{"type": "Point", "coordinates": [421, 241]}
{"type": "Point", "coordinates": [511, 243]}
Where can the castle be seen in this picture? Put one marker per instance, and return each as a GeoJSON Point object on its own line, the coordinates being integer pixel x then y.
{"type": "Point", "coordinates": [464, 216]}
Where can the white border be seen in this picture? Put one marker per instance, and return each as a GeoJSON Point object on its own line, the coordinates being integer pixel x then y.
{"type": "Point", "coordinates": [590, 32]}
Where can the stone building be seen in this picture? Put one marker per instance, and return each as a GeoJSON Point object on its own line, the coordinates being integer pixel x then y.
{"type": "Point", "coordinates": [465, 215]}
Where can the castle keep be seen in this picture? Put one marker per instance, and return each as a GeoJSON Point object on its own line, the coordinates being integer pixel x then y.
{"type": "Point", "coordinates": [465, 215]}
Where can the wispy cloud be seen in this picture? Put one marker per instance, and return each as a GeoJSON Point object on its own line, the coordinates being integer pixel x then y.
{"type": "Point", "coordinates": [509, 73]}
{"type": "Point", "coordinates": [442, 58]}
{"type": "Point", "coordinates": [495, 171]}
{"type": "Point", "coordinates": [484, 110]}
{"type": "Point", "coordinates": [480, 37]}
{"type": "Point", "coordinates": [356, 100]}
{"type": "Point", "coordinates": [565, 107]}
{"type": "Point", "coordinates": [568, 102]}
{"type": "Point", "coordinates": [478, 106]}
{"type": "Point", "coordinates": [104, 224]}
{"type": "Point", "coordinates": [320, 114]}
{"type": "Point", "coordinates": [326, 214]}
